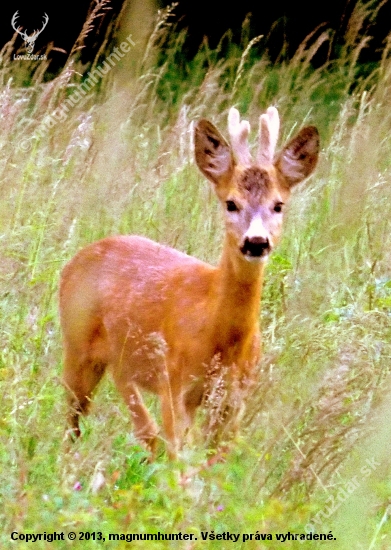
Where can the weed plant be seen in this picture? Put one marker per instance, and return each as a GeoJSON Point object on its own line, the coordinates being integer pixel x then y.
{"type": "Point", "coordinates": [121, 162]}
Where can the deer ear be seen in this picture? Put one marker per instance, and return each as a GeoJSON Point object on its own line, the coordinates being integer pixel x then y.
{"type": "Point", "coordinates": [212, 153]}
{"type": "Point", "coordinates": [299, 157]}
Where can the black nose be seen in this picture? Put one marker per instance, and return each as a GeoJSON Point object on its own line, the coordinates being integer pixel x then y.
{"type": "Point", "coordinates": [256, 247]}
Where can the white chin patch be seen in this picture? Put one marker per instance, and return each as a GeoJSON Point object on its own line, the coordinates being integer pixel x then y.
{"type": "Point", "coordinates": [256, 259]}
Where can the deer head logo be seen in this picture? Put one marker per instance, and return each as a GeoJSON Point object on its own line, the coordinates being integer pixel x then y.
{"type": "Point", "coordinates": [29, 40]}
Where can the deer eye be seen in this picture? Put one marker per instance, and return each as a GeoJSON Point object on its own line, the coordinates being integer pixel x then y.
{"type": "Point", "coordinates": [231, 206]}
{"type": "Point", "coordinates": [278, 207]}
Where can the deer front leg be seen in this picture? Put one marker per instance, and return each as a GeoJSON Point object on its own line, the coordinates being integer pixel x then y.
{"type": "Point", "coordinates": [226, 395]}
{"type": "Point", "coordinates": [145, 428]}
{"type": "Point", "coordinates": [178, 411]}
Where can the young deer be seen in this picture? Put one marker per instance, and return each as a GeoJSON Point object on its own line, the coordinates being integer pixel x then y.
{"type": "Point", "coordinates": [159, 318]}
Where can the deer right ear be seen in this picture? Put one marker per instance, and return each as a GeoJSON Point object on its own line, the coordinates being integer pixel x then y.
{"type": "Point", "coordinates": [212, 152]}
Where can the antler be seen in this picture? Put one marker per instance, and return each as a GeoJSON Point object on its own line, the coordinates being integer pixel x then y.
{"type": "Point", "coordinates": [13, 23]}
{"type": "Point", "coordinates": [269, 126]}
{"type": "Point", "coordinates": [46, 19]}
{"type": "Point", "coordinates": [238, 132]}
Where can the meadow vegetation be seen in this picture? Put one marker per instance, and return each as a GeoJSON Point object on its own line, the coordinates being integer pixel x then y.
{"type": "Point", "coordinates": [121, 162]}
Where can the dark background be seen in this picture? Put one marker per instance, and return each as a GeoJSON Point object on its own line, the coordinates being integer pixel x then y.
{"type": "Point", "coordinates": [291, 22]}
{"type": "Point", "coordinates": [66, 20]}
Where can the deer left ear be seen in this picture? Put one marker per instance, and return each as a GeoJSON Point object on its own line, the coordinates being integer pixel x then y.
{"type": "Point", "coordinates": [299, 157]}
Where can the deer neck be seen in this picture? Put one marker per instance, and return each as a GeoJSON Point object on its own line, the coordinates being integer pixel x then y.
{"type": "Point", "coordinates": [239, 288]}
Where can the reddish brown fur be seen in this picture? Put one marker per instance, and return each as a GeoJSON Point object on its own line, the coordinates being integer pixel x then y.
{"type": "Point", "coordinates": [158, 318]}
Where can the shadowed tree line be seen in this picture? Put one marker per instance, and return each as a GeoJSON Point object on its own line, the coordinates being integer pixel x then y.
{"type": "Point", "coordinates": [283, 24]}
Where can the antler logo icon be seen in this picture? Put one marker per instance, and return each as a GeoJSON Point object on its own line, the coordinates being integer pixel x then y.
{"type": "Point", "coordinates": [29, 40]}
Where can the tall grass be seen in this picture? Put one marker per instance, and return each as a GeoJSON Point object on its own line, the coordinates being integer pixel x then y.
{"type": "Point", "coordinates": [121, 162]}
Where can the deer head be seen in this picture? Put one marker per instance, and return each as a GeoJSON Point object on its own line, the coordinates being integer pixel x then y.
{"type": "Point", "coordinates": [253, 192]}
{"type": "Point", "coordinates": [29, 40]}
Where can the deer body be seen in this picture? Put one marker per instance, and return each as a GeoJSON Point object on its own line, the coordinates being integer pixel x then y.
{"type": "Point", "coordinates": [158, 318]}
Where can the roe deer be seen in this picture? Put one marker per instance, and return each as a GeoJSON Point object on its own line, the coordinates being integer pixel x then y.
{"type": "Point", "coordinates": [159, 318]}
